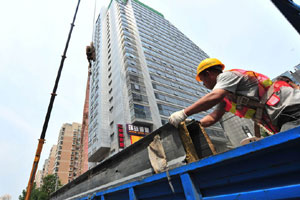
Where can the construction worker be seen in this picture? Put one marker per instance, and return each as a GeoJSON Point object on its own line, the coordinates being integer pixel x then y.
{"type": "Point", "coordinates": [246, 94]}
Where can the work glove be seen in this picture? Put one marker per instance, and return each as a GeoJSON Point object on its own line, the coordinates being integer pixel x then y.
{"type": "Point", "coordinates": [177, 117]}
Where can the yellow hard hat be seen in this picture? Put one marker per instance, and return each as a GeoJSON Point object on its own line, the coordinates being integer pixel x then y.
{"type": "Point", "coordinates": [207, 63]}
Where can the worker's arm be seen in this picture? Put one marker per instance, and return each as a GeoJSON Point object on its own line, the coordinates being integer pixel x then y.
{"type": "Point", "coordinates": [212, 118]}
{"type": "Point", "coordinates": [206, 102]}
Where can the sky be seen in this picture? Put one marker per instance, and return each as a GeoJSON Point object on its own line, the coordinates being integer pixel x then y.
{"type": "Point", "coordinates": [248, 34]}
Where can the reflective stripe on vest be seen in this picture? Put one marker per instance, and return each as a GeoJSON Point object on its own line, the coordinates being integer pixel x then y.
{"type": "Point", "coordinates": [245, 112]}
{"type": "Point", "coordinates": [264, 81]}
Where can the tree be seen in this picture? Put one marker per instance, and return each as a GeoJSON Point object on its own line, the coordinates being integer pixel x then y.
{"type": "Point", "coordinates": [49, 183]}
{"type": "Point", "coordinates": [36, 194]}
{"type": "Point", "coordinates": [43, 193]}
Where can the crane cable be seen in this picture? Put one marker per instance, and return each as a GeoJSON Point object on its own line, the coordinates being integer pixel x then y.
{"type": "Point", "coordinates": [93, 33]}
{"type": "Point", "coordinates": [47, 118]}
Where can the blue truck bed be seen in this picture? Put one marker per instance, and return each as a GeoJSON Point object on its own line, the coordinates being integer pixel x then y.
{"type": "Point", "coordinates": [266, 169]}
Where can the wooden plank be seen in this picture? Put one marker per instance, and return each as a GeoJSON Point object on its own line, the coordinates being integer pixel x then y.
{"type": "Point", "coordinates": [210, 144]}
{"type": "Point", "coordinates": [191, 154]}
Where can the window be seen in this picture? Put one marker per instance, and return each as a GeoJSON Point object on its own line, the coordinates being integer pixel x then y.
{"type": "Point", "coordinates": [110, 100]}
{"type": "Point", "coordinates": [131, 69]}
{"type": "Point", "coordinates": [110, 82]}
{"type": "Point", "coordinates": [133, 63]}
{"type": "Point", "coordinates": [112, 136]}
{"type": "Point", "coordinates": [137, 97]}
{"type": "Point", "coordinates": [111, 123]}
{"type": "Point", "coordinates": [164, 121]}
{"type": "Point", "coordinates": [159, 96]}
{"type": "Point", "coordinates": [142, 112]}
{"type": "Point", "coordinates": [111, 108]}
{"type": "Point", "coordinates": [110, 91]}
{"type": "Point", "coordinates": [135, 86]}
{"type": "Point", "coordinates": [134, 78]}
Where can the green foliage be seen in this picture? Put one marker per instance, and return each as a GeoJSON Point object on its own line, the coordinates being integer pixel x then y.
{"type": "Point", "coordinates": [22, 196]}
{"type": "Point", "coordinates": [42, 193]}
{"type": "Point", "coordinates": [36, 194]}
{"type": "Point", "coordinates": [49, 183]}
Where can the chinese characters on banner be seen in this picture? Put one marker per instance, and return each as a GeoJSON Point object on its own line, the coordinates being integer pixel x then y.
{"type": "Point", "coordinates": [121, 135]}
{"type": "Point", "coordinates": [137, 130]}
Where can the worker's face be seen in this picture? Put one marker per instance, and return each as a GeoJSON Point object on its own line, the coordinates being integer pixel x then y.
{"type": "Point", "coordinates": [209, 80]}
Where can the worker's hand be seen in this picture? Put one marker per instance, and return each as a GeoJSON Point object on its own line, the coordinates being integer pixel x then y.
{"type": "Point", "coordinates": [177, 117]}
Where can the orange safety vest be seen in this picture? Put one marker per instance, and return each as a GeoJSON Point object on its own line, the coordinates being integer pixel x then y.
{"type": "Point", "coordinates": [264, 83]}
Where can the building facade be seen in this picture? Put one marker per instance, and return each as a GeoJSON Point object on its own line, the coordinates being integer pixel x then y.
{"type": "Point", "coordinates": [51, 159]}
{"type": "Point", "coordinates": [296, 74]}
{"type": "Point", "coordinates": [6, 197]}
{"type": "Point", "coordinates": [293, 75]}
{"type": "Point", "coordinates": [236, 129]}
{"type": "Point", "coordinates": [45, 169]}
{"type": "Point", "coordinates": [67, 164]}
{"type": "Point", "coordinates": [38, 178]}
{"type": "Point", "coordinates": [48, 166]}
{"type": "Point", "coordinates": [144, 70]}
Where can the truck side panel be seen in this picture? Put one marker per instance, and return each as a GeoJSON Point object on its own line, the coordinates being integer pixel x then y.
{"type": "Point", "coordinates": [266, 169]}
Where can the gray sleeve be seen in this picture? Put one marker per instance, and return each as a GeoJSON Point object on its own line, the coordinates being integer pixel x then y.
{"type": "Point", "coordinates": [228, 81]}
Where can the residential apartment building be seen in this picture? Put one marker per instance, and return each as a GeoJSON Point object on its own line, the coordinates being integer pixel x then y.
{"type": "Point", "coordinates": [144, 70]}
{"type": "Point", "coordinates": [5, 197]}
{"type": "Point", "coordinates": [38, 178]}
{"type": "Point", "coordinates": [45, 169]}
{"type": "Point", "coordinates": [51, 159]}
{"type": "Point", "coordinates": [49, 162]}
{"type": "Point", "coordinates": [66, 164]}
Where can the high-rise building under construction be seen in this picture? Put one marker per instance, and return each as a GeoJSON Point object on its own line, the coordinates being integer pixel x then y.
{"type": "Point", "coordinates": [144, 70]}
